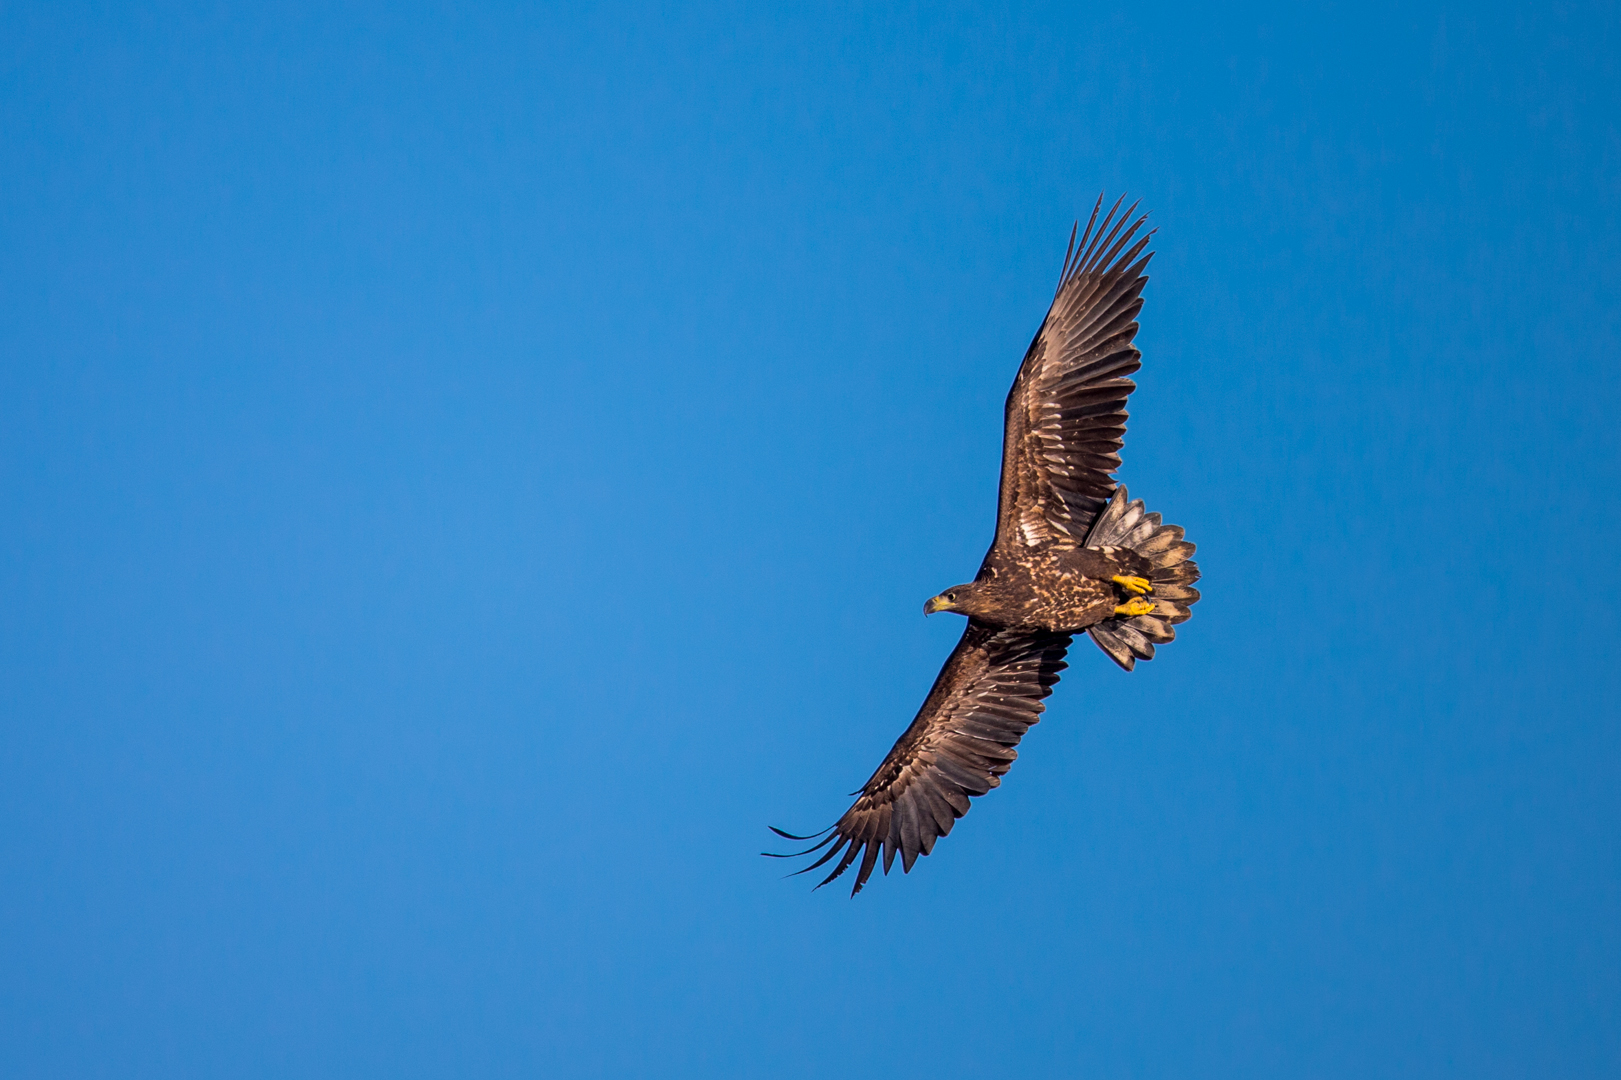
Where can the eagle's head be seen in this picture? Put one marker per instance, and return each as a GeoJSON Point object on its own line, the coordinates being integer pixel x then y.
{"type": "Point", "coordinates": [969, 599]}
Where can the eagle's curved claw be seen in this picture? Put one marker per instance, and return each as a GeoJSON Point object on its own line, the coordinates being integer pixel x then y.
{"type": "Point", "coordinates": [1135, 606]}
{"type": "Point", "coordinates": [1131, 584]}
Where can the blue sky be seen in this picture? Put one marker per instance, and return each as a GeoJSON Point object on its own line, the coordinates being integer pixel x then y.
{"type": "Point", "coordinates": [467, 469]}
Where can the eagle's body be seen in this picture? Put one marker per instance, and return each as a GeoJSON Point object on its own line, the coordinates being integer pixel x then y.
{"type": "Point", "coordinates": [1058, 586]}
{"type": "Point", "coordinates": [1071, 554]}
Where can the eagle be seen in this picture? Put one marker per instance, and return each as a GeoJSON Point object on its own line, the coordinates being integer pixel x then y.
{"type": "Point", "coordinates": [1072, 553]}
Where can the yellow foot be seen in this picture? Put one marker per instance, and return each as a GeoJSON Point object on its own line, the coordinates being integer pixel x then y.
{"type": "Point", "coordinates": [1135, 606]}
{"type": "Point", "coordinates": [1137, 585]}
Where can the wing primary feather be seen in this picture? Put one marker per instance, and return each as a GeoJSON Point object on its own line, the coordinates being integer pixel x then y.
{"type": "Point", "coordinates": [1063, 274]}
{"type": "Point", "coordinates": [796, 854]}
{"type": "Point", "coordinates": [1087, 235]}
{"type": "Point", "coordinates": [867, 862]}
{"type": "Point", "coordinates": [826, 855]}
{"type": "Point", "coordinates": [791, 836]}
{"type": "Point", "coordinates": [911, 826]}
{"type": "Point", "coordinates": [844, 864]}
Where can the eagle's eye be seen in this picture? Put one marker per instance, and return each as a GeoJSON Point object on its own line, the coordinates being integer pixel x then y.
{"type": "Point", "coordinates": [952, 596]}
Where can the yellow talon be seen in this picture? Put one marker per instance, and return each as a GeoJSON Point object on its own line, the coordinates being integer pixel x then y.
{"type": "Point", "coordinates": [1138, 585]}
{"type": "Point", "coordinates": [1135, 606]}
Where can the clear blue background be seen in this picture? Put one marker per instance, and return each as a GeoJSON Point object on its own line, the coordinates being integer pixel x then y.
{"type": "Point", "coordinates": [468, 469]}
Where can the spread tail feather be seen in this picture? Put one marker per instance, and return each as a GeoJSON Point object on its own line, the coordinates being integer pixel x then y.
{"type": "Point", "coordinates": [1171, 571]}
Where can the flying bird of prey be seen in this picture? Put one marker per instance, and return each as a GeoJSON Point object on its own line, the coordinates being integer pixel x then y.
{"type": "Point", "coordinates": [1071, 553]}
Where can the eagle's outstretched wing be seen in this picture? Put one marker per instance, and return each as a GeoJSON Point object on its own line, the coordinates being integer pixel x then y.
{"type": "Point", "coordinates": [985, 698]}
{"type": "Point", "coordinates": [1066, 412]}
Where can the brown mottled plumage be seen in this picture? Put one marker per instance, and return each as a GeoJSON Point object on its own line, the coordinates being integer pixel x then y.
{"type": "Point", "coordinates": [1070, 554]}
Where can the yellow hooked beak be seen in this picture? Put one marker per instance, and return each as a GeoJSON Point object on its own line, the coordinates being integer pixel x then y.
{"type": "Point", "coordinates": [938, 603]}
